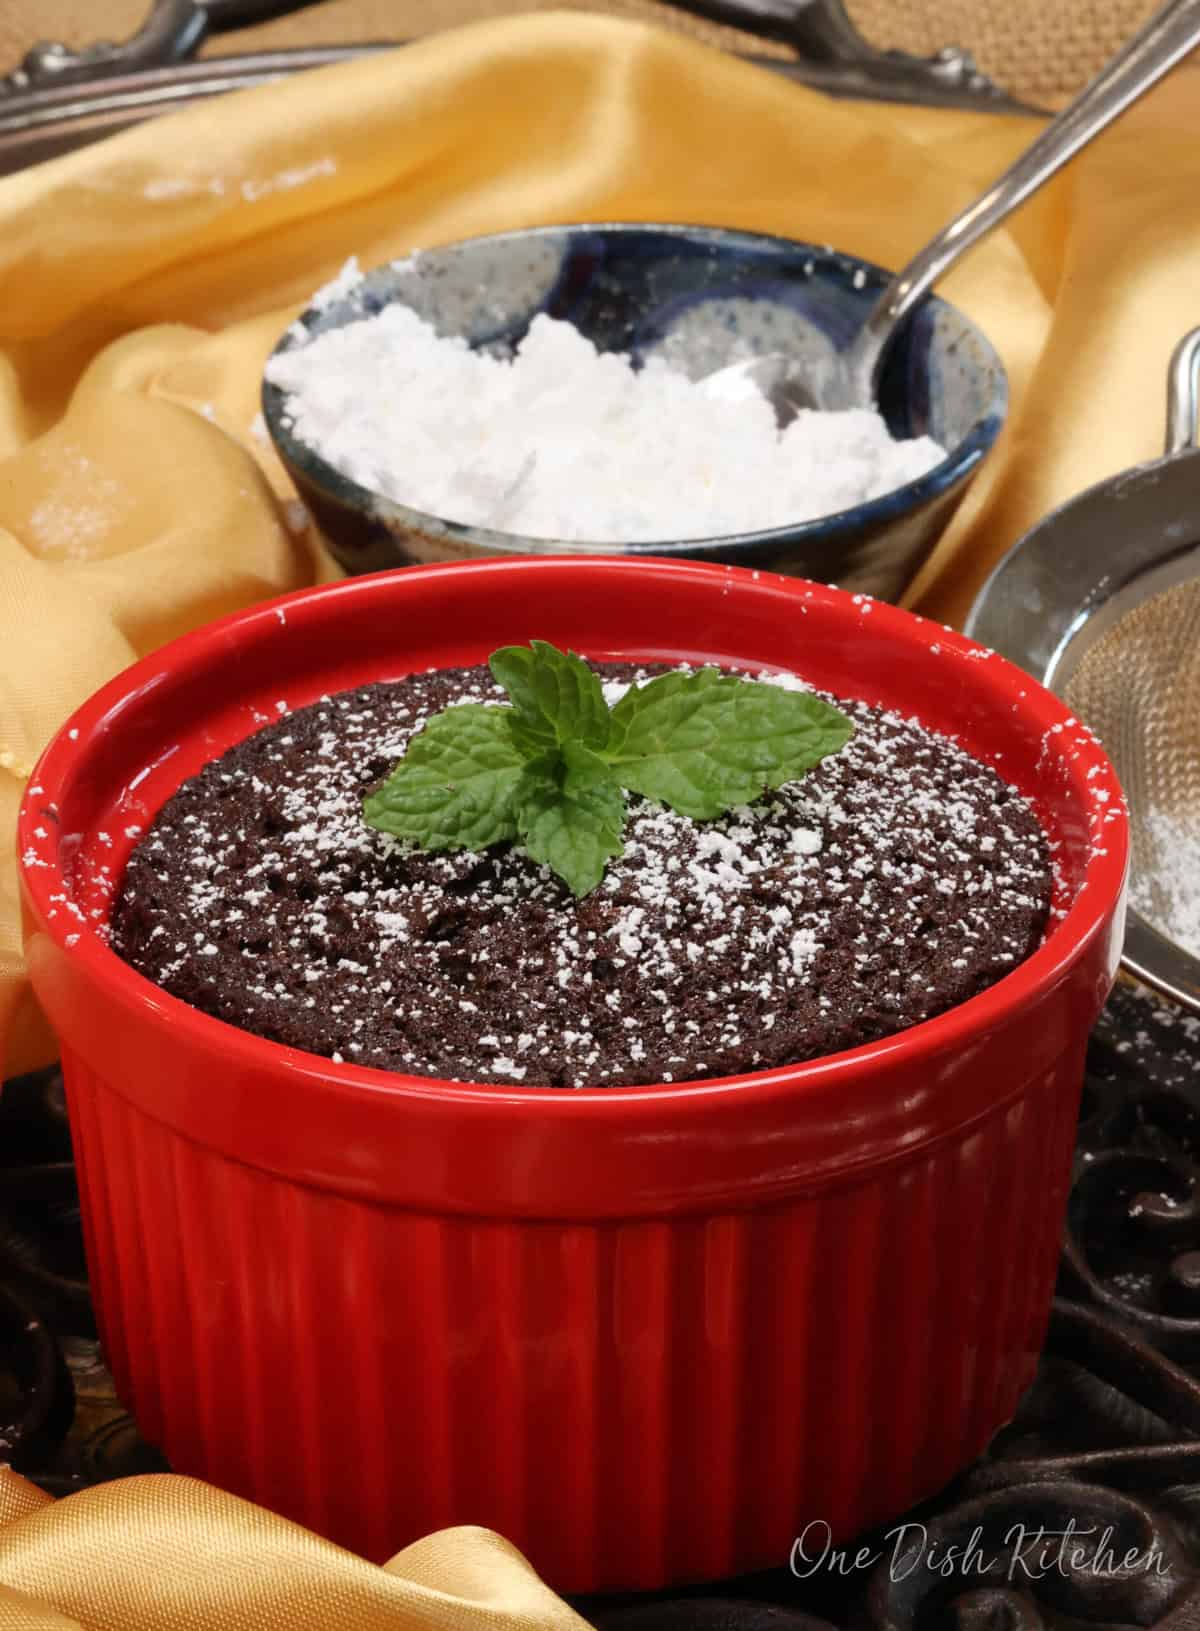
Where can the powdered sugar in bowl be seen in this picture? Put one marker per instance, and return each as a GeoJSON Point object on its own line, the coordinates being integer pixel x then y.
{"type": "Point", "coordinates": [569, 453]}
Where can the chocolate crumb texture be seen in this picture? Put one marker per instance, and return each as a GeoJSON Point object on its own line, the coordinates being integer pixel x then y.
{"type": "Point", "coordinates": [898, 878]}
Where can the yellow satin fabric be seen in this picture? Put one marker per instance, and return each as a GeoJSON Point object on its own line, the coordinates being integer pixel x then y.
{"type": "Point", "coordinates": [143, 281]}
{"type": "Point", "coordinates": [161, 1553]}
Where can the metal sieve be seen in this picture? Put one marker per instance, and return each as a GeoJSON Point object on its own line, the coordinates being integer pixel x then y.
{"type": "Point", "coordinates": [1101, 602]}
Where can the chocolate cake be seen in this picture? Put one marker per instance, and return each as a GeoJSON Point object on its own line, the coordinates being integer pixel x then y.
{"type": "Point", "coordinates": [898, 878]}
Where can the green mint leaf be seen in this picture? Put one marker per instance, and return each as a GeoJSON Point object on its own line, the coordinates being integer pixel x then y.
{"type": "Point", "coordinates": [706, 741]}
{"type": "Point", "coordinates": [550, 768]}
{"type": "Point", "coordinates": [583, 768]}
{"type": "Point", "coordinates": [455, 786]}
{"type": "Point", "coordinates": [556, 698]}
{"type": "Point", "coordinates": [574, 834]}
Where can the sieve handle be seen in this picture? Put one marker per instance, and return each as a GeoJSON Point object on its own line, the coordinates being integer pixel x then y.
{"type": "Point", "coordinates": [1183, 395]}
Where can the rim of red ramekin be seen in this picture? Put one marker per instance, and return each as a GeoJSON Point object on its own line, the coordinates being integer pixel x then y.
{"type": "Point", "coordinates": [1088, 915]}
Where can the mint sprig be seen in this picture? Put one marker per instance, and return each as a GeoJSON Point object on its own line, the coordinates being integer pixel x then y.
{"type": "Point", "coordinates": [455, 786]}
{"type": "Point", "coordinates": [551, 769]}
{"type": "Point", "coordinates": [573, 833]}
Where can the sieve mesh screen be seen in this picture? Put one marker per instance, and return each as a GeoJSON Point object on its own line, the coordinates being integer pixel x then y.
{"type": "Point", "coordinates": [1138, 688]}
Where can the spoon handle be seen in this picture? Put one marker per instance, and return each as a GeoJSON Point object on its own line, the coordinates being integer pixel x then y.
{"type": "Point", "coordinates": [1169, 35]}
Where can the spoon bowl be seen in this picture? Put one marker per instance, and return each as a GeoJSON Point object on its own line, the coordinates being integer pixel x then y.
{"type": "Point", "coordinates": [700, 298]}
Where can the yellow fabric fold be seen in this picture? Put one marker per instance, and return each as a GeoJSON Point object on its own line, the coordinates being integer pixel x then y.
{"type": "Point", "coordinates": [161, 1553]}
{"type": "Point", "coordinates": [143, 281]}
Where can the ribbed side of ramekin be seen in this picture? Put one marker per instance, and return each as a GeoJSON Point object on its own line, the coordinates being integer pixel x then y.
{"type": "Point", "coordinates": [633, 1402]}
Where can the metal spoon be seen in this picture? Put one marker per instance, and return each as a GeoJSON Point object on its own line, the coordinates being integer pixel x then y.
{"type": "Point", "coordinates": [853, 382]}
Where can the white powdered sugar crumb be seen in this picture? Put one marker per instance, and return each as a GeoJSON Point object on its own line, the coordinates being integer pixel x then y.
{"type": "Point", "coordinates": [1167, 890]}
{"type": "Point", "coordinates": [564, 442]}
{"type": "Point", "coordinates": [165, 187]}
{"type": "Point", "coordinates": [614, 690]}
{"type": "Point", "coordinates": [785, 681]}
{"type": "Point", "coordinates": [339, 287]}
{"type": "Point", "coordinates": [296, 517]}
{"type": "Point", "coordinates": [283, 181]}
{"type": "Point", "coordinates": [71, 527]}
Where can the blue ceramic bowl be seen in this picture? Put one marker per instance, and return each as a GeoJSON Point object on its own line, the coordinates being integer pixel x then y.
{"type": "Point", "coordinates": [699, 297]}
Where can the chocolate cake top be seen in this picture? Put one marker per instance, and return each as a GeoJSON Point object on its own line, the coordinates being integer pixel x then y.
{"type": "Point", "coordinates": [898, 878]}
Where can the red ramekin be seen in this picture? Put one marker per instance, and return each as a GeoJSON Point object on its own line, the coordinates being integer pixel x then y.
{"type": "Point", "coordinates": [646, 1333]}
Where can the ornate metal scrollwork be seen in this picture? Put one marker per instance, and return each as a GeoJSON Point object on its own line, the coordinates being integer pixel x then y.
{"type": "Point", "coordinates": [830, 52]}
{"type": "Point", "coordinates": [834, 55]}
{"type": "Point", "coordinates": [170, 34]}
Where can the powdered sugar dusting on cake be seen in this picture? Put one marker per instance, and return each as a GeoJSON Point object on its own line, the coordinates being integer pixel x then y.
{"type": "Point", "coordinates": [898, 878]}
